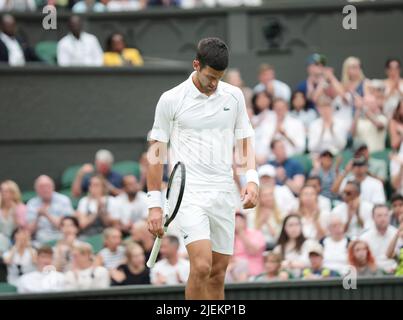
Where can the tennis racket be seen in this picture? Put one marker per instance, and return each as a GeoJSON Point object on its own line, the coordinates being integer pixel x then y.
{"type": "Point", "coordinates": [174, 195]}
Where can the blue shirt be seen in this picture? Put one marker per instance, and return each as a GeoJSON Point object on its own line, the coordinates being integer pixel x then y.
{"type": "Point", "coordinates": [113, 177]}
{"type": "Point", "coordinates": [303, 87]}
{"type": "Point", "coordinates": [292, 168]}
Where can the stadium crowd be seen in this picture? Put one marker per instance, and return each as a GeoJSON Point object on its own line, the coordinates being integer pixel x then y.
{"type": "Point", "coordinates": [330, 163]}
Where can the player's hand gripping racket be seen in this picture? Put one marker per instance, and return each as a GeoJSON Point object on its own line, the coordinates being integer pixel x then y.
{"type": "Point", "coordinates": [176, 188]}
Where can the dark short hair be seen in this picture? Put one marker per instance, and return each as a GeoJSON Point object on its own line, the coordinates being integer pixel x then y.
{"type": "Point", "coordinates": [72, 219]}
{"type": "Point", "coordinates": [212, 52]}
{"type": "Point", "coordinates": [379, 205]}
{"type": "Point", "coordinates": [45, 250]}
{"type": "Point", "coordinates": [396, 197]}
{"type": "Point", "coordinates": [109, 40]}
{"type": "Point", "coordinates": [314, 177]}
{"type": "Point", "coordinates": [173, 240]}
{"type": "Point", "coordinates": [274, 142]}
{"type": "Point", "coordinates": [390, 60]}
{"type": "Point", "coordinates": [356, 185]}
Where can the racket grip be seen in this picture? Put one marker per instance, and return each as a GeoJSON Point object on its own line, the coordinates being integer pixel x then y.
{"type": "Point", "coordinates": [154, 252]}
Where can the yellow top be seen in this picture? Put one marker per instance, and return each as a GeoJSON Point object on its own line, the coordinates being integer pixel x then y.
{"type": "Point", "coordinates": [114, 59]}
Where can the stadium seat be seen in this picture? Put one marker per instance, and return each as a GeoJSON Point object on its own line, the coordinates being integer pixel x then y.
{"type": "Point", "coordinates": [47, 51]}
{"type": "Point", "coordinates": [74, 200]}
{"type": "Point", "coordinates": [346, 155]}
{"type": "Point", "coordinates": [27, 195]}
{"type": "Point", "coordinates": [382, 155]}
{"type": "Point", "coordinates": [7, 288]}
{"type": "Point", "coordinates": [68, 176]}
{"type": "Point", "coordinates": [127, 167]}
{"type": "Point", "coordinates": [305, 161]}
{"type": "Point", "coordinates": [96, 241]}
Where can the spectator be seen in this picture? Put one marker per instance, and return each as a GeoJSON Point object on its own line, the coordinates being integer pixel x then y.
{"type": "Point", "coordinates": [313, 219]}
{"type": "Point", "coordinates": [396, 201]}
{"type": "Point", "coordinates": [237, 270]}
{"type": "Point", "coordinates": [287, 129]}
{"type": "Point", "coordinates": [393, 86]}
{"type": "Point", "coordinates": [45, 278]}
{"type": "Point", "coordinates": [289, 172]}
{"type": "Point", "coordinates": [141, 235]}
{"type": "Point", "coordinates": [12, 210]}
{"type": "Point", "coordinates": [13, 49]}
{"type": "Point", "coordinates": [18, 5]}
{"type": "Point", "coordinates": [79, 48]}
{"type": "Point", "coordinates": [324, 203]}
{"type": "Point", "coordinates": [97, 210]}
{"type": "Point", "coordinates": [395, 246]}
{"type": "Point", "coordinates": [103, 167]}
{"type": "Point", "coordinates": [269, 83]}
{"type": "Point", "coordinates": [21, 258]}
{"type": "Point", "coordinates": [233, 76]}
{"type": "Point", "coordinates": [84, 6]}
{"type": "Point", "coordinates": [316, 269]}
{"type": "Point", "coordinates": [300, 110]}
{"type": "Point", "coordinates": [267, 217]}
{"type": "Point", "coordinates": [371, 188]}
{"type": "Point", "coordinates": [84, 275]}
{"type": "Point", "coordinates": [163, 3]}
{"type": "Point", "coordinates": [326, 132]}
{"type": "Point", "coordinates": [118, 54]}
{"type": "Point", "coordinates": [131, 204]}
{"type": "Point", "coordinates": [249, 244]}
{"type": "Point", "coordinates": [396, 127]}
{"type": "Point", "coordinates": [45, 211]}
{"type": "Point", "coordinates": [380, 236]}
{"type": "Point", "coordinates": [284, 198]}
{"type": "Point", "coordinates": [70, 228]}
{"type": "Point", "coordinates": [354, 211]}
{"type": "Point", "coordinates": [377, 168]}
{"type": "Point", "coordinates": [171, 269]}
{"type": "Point", "coordinates": [293, 246]}
{"type": "Point", "coordinates": [113, 254]}
{"type": "Point", "coordinates": [361, 258]}
{"type": "Point", "coordinates": [352, 77]}
{"type": "Point", "coordinates": [369, 124]}
{"type": "Point", "coordinates": [335, 246]}
{"type": "Point", "coordinates": [126, 5]}
{"type": "Point", "coordinates": [134, 271]}
{"type": "Point", "coordinates": [324, 170]}
{"type": "Point", "coordinates": [272, 269]}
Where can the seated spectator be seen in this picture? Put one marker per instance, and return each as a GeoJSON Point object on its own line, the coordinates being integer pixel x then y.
{"type": "Point", "coordinates": [261, 121]}
{"type": "Point", "coordinates": [134, 271]}
{"type": "Point", "coordinates": [21, 258]}
{"type": "Point", "coordinates": [45, 211]}
{"type": "Point", "coordinates": [316, 270]}
{"type": "Point", "coordinates": [379, 237]}
{"type": "Point", "coordinates": [118, 54]}
{"type": "Point", "coordinates": [284, 198]}
{"type": "Point", "coordinates": [293, 246]}
{"type": "Point", "coordinates": [300, 110]}
{"type": "Point", "coordinates": [326, 171]}
{"type": "Point", "coordinates": [267, 216]}
{"type": "Point", "coordinates": [84, 6]}
{"type": "Point", "coordinates": [97, 210]}
{"type": "Point", "coordinates": [18, 5]}
{"type": "Point", "coordinates": [84, 275]}
{"type": "Point", "coordinates": [326, 132]}
{"type": "Point", "coordinates": [354, 211]}
{"type": "Point", "coordinates": [103, 167]}
{"type": "Point", "coordinates": [335, 246]}
{"type": "Point", "coordinates": [171, 269]}
{"type": "Point", "coordinates": [269, 83]}
{"type": "Point", "coordinates": [113, 254]}
{"type": "Point", "coordinates": [313, 219]}
{"type": "Point", "coordinates": [131, 204]}
{"type": "Point", "coordinates": [79, 48]}
{"type": "Point", "coordinates": [45, 278]}
{"type": "Point", "coordinates": [377, 168]}
{"type": "Point", "coordinates": [13, 49]}
{"type": "Point", "coordinates": [369, 124]}
{"type": "Point", "coordinates": [396, 201]}
{"type": "Point", "coordinates": [361, 258]}
{"type": "Point", "coordinates": [70, 228]}
{"type": "Point", "coordinates": [287, 129]}
{"type": "Point", "coordinates": [237, 270]}
{"type": "Point", "coordinates": [249, 244]}
{"type": "Point", "coordinates": [126, 5]}
{"type": "Point", "coordinates": [289, 172]}
{"type": "Point", "coordinates": [395, 247]}
{"type": "Point", "coordinates": [324, 204]}
{"type": "Point", "coordinates": [372, 189]}
{"type": "Point", "coordinates": [12, 209]}
{"type": "Point", "coordinates": [233, 76]}
{"type": "Point", "coordinates": [272, 269]}
{"type": "Point", "coordinates": [396, 127]}
{"type": "Point", "coordinates": [141, 235]}
{"type": "Point", "coordinates": [393, 86]}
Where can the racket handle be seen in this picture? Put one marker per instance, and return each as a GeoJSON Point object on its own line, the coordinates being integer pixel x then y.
{"type": "Point", "coordinates": [154, 252]}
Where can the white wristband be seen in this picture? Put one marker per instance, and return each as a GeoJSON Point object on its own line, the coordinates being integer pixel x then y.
{"type": "Point", "coordinates": [154, 199]}
{"type": "Point", "coordinates": [252, 176]}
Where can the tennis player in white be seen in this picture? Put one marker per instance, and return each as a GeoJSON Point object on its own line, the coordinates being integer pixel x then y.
{"type": "Point", "coordinates": [201, 119]}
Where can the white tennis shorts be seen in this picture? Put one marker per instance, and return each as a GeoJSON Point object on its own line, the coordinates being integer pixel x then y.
{"type": "Point", "coordinates": [208, 215]}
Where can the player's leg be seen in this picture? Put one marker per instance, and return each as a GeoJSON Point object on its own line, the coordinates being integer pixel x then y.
{"type": "Point", "coordinates": [200, 258]}
{"type": "Point", "coordinates": [215, 285]}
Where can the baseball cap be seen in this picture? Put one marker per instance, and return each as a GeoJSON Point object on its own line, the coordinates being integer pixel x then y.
{"type": "Point", "coordinates": [316, 248]}
{"type": "Point", "coordinates": [266, 170]}
{"type": "Point", "coordinates": [316, 58]}
{"type": "Point", "coordinates": [359, 145]}
{"type": "Point", "coordinates": [361, 161]}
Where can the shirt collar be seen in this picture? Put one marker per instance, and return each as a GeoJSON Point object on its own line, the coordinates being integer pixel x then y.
{"type": "Point", "coordinates": [195, 93]}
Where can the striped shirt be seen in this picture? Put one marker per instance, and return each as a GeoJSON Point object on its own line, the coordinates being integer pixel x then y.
{"type": "Point", "coordinates": [112, 259]}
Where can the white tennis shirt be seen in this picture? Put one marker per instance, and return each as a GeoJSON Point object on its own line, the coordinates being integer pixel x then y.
{"type": "Point", "coordinates": [201, 131]}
